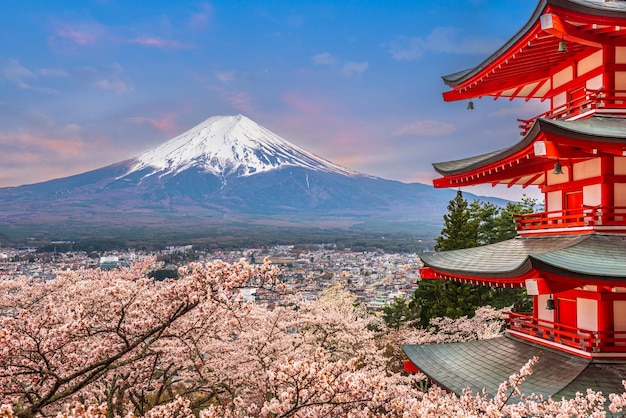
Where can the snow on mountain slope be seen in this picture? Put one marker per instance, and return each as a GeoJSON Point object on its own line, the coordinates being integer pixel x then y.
{"type": "Point", "coordinates": [227, 146]}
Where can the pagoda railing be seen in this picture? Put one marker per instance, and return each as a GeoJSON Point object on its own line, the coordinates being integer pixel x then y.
{"type": "Point", "coordinates": [583, 101]}
{"type": "Point", "coordinates": [578, 338]}
{"type": "Point", "coordinates": [582, 217]}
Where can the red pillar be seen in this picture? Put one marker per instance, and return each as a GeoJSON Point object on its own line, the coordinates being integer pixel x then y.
{"type": "Point", "coordinates": [607, 191]}
{"type": "Point", "coordinates": [605, 310]}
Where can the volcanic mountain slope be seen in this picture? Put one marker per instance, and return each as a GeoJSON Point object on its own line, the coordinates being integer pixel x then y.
{"type": "Point", "coordinates": [226, 169]}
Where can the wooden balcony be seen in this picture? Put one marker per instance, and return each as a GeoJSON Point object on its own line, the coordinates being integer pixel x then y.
{"type": "Point", "coordinates": [584, 102]}
{"type": "Point", "coordinates": [607, 344]}
{"type": "Point", "coordinates": [577, 220]}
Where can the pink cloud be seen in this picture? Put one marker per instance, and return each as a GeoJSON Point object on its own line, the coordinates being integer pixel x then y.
{"type": "Point", "coordinates": [46, 150]}
{"type": "Point", "coordinates": [302, 104]}
{"type": "Point", "coordinates": [165, 123]}
{"type": "Point", "coordinates": [63, 146]}
{"type": "Point", "coordinates": [330, 132]}
{"type": "Point", "coordinates": [88, 34]}
{"type": "Point", "coordinates": [159, 43]}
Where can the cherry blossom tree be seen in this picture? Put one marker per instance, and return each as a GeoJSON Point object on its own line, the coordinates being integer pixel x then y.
{"type": "Point", "coordinates": [116, 338]}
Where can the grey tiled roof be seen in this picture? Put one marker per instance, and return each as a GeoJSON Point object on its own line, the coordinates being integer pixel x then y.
{"type": "Point", "coordinates": [597, 255]}
{"type": "Point", "coordinates": [488, 363]}
{"type": "Point", "coordinates": [594, 256]}
{"type": "Point", "coordinates": [599, 128]}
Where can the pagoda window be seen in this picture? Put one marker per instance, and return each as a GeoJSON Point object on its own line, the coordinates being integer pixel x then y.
{"type": "Point", "coordinates": [595, 83]}
{"type": "Point", "coordinates": [554, 202]}
{"type": "Point", "coordinates": [559, 101]}
{"type": "Point", "coordinates": [558, 178]}
{"type": "Point", "coordinates": [589, 63]}
{"type": "Point", "coordinates": [586, 169]}
{"type": "Point", "coordinates": [563, 77]}
{"type": "Point", "coordinates": [587, 314]}
{"type": "Point", "coordinates": [592, 195]}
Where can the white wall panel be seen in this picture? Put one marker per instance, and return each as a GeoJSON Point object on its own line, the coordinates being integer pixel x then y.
{"type": "Point", "coordinates": [587, 313]}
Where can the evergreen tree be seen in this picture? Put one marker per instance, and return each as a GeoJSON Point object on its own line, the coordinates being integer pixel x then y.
{"type": "Point", "coordinates": [435, 298]}
{"type": "Point", "coordinates": [466, 225]}
{"type": "Point", "coordinates": [460, 229]}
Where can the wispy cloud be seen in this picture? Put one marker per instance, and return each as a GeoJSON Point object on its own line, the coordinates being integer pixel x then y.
{"type": "Point", "coordinates": [324, 58]}
{"type": "Point", "coordinates": [53, 72]}
{"type": "Point", "coordinates": [112, 78]}
{"type": "Point", "coordinates": [81, 34]}
{"type": "Point", "coordinates": [229, 76]}
{"type": "Point", "coordinates": [69, 146]}
{"type": "Point", "coordinates": [201, 18]}
{"type": "Point", "coordinates": [348, 68]}
{"type": "Point", "coordinates": [16, 73]}
{"type": "Point", "coordinates": [20, 76]}
{"type": "Point", "coordinates": [354, 68]}
{"type": "Point", "coordinates": [441, 39]}
{"type": "Point", "coordinates": [40, 149]}
{"type": "Point", "coordinates": [226, 76]}
{"type": "Point", "coordinates": [426, 128]}
{"type": "Point", "coordinates": [84, 34]}
{"type": "Point", "coordinates": [159, 43]}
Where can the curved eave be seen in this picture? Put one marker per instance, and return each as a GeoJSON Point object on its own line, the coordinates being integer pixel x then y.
{"type": "Point", "coordinates": [510, 279]}
{"type": "Point", "coordinates": [512, 165]}
{"type": "Point", "coordinates": [520, 165]}
{"type": "Point", "coordinates": [517, 259]}
{"type": "Point", "coordinates": [522, 67]}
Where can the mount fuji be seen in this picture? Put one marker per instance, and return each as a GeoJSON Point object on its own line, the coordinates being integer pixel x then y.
{"type": "Point", "coordinates": [227, 170]}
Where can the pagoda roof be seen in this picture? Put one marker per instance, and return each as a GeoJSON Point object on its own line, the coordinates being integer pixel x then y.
{"type": "Point", "coordinates": [591, 137]}
{"type": "Point", "coordinates": [592, 257]}
{"type": "Point", "coordinates": [488, 363]}
{"type": "Point", "coordinates": [523, 65]}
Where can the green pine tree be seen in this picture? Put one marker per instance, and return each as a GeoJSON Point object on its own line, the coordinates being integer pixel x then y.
{"type": "Point", "coordinates": [460, 229]}
{"type": "Point", "coordinates": [465, 225]}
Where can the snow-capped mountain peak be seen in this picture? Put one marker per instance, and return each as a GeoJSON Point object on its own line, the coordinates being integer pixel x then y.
{"type": "Point", "coordinates": [226, 146]}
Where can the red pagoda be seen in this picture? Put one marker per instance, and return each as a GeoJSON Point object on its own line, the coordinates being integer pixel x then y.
{"type": "Point", "coordinates": [571, 258]}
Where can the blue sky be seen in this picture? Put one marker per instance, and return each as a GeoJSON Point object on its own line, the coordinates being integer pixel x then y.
{"type": "Point", "coordinates": [84, 84]}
